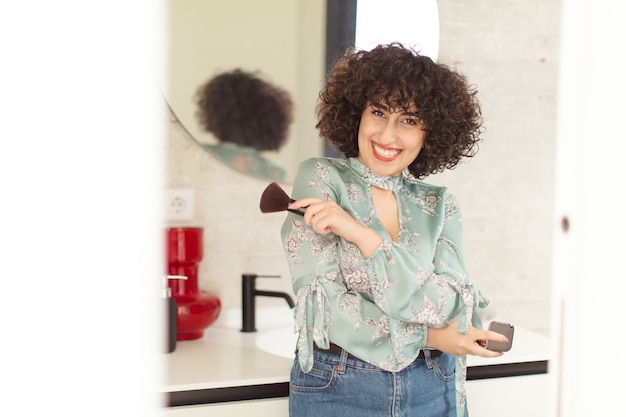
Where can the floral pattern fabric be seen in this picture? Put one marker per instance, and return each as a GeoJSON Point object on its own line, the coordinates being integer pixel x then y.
{"type": "Point", "coordinates": [378, 308]}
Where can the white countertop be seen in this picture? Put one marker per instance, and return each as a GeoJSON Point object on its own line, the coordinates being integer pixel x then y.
{"type": "Point", "coordinates": [226, 357]}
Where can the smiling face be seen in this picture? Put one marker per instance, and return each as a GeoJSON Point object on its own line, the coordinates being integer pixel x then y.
{"type": "Point", "coordinates": [389, 139]}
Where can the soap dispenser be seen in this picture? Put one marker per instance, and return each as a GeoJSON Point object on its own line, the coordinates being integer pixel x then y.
{"type": "Point", "coordinates": [170, 312]}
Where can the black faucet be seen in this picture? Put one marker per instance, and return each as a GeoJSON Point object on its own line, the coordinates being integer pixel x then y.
{"type": "Point", "coordinates": [248, 296]}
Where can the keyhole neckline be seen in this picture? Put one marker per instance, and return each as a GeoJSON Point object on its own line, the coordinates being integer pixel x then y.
{"type": "Point", "coordinates": [386, 182]}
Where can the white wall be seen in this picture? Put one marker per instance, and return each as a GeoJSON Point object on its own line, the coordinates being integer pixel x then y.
{"type": "Point", "coordinates": [589, 279]}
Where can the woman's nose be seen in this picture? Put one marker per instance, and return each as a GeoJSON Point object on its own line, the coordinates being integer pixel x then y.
{"type": "Point", "coordinates": [388, 133]}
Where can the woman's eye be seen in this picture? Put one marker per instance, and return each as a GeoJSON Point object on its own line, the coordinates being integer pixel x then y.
{"type": "Point", "coordinates": [411, 121]}
{"type": "Point", "coordinates": [377, 112]}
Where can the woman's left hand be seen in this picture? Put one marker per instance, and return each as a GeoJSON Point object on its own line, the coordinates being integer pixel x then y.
{"type": "Point", "coordinates": [449, 340]}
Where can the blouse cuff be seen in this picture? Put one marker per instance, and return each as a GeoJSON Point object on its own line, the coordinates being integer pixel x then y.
{"type": "Point", "coordinates": [311, 316]}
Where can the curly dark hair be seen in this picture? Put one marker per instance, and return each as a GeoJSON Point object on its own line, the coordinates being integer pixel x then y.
{"type": "Point", "coordinates": [242, 108]}
{"type": "Point", "coordinates": [399, 77]}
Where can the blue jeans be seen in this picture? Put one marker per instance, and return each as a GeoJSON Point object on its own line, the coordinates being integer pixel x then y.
{"type": "Point", "coordinates": [348, 387]}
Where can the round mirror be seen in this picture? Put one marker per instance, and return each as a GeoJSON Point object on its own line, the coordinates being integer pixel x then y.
{"type": "Point", "coordinates": [285, 42]}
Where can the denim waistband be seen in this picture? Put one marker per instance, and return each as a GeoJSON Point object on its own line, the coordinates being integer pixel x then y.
{"type": "Point", "coordinates": [339, 352]}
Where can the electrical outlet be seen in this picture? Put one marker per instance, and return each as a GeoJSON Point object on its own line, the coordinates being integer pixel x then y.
{"type": "Point", "coordinates": [180, 204]}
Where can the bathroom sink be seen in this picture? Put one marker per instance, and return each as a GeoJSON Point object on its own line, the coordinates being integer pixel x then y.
{"type": "Point", "coordinates": [274, 329]}
{"type": "Point", "coordinates": [279, 342]}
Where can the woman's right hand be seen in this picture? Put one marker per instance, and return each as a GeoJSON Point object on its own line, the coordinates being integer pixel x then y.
{"type": "Point", "coordinates": [449, 340]}
{"type": "Point", "coordinates": [326, 216]}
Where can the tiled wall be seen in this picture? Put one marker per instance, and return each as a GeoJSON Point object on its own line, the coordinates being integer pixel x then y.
{"type": "Point", "coordinates": [510, 51]}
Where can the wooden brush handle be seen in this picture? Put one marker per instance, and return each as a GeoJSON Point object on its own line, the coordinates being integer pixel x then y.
{"type": "Point", "coordinates": [299, 211]}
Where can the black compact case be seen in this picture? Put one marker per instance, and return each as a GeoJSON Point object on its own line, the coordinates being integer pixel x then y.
{"type": "Point", "coordinates": [506, 329]}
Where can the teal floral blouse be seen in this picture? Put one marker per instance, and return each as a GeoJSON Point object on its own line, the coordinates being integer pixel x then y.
{"type": "Point", "coordinates": [247, 159]}
{"type": "Point", "coordinates": [379, 308]}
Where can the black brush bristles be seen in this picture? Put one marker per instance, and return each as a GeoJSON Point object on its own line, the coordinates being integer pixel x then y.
{"type": "Point", "coordinates": [275, 199]}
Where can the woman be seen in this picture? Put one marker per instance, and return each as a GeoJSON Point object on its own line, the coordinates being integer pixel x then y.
{"type": "Point", "coordinates": [247, 115]}
{"type": "Point", "coordinates": [385, 312]}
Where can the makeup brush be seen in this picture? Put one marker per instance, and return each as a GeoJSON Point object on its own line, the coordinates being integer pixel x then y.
{"type": "Point", "coordinates": [275, 199]}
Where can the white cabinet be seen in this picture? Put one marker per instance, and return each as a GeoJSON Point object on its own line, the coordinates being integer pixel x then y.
{"type": "Point", "coordinates": [271, 407]}
{"type": "Point", "coordinates": [516, 396]}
